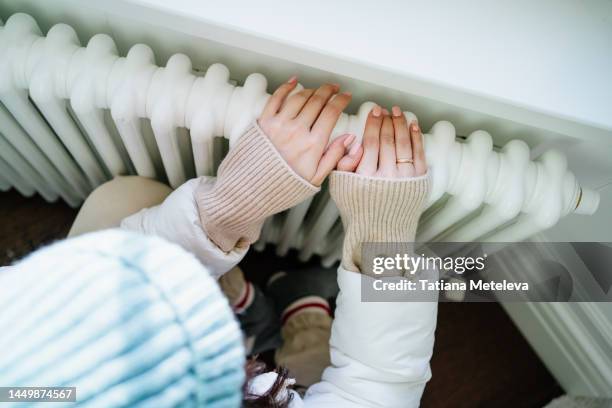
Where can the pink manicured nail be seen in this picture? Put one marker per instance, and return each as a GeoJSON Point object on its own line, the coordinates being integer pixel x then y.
{"type": "Point", "coordinates": [292, 80]}
{"type": "Point", "coordinates": [376, 111]}
{"type": "Point", "coordinates": [385, 112]}
{"type": "Point", "coordinates": [397, 112]}
{"type": "Point", "coordinates": [347, 93]}
{"type": "Point", "coordinates": [354, 149]}
{"type": "Point", "coordinates": [349, 139]}
{"type": "Point", "coordinates": [415, 127]}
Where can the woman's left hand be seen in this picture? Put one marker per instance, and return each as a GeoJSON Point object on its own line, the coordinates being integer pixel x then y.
{"type": "Point", "coordinates": [391, 147]}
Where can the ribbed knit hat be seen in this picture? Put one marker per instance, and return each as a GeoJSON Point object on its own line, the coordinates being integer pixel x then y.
{"type": "Point", "coordinates": [128, 320]}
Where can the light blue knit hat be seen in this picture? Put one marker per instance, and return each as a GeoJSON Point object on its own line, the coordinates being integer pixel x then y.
{"type": "Point", "coordinates": [128, 320]}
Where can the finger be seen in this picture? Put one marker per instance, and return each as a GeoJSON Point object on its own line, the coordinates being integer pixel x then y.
{"type": "Point", "coordinates": [295, 103]}
{"type": "Point", "coordinates": [329, 116]}
{"type": "Point", "coordinates": [386, 155]}
{"type": "Point", "coordinates": [295, 90]}
{"type": "Point", "coordinates": [331, 157]}
{"type": "Point", "coordinates": [403, 147]}
{"type": "Point", "coordinates": [351, 160]}
{"type": "Point", "coordinates": [418, 151]}
{"type": "Point", "coordinates": [369, 161]}
{"type": "Point", "coordinates": [310, 112]}
{"type": "Point", "coordinates": [278, 97]}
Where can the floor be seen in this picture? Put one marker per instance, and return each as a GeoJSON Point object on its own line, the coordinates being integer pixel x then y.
{"type": "Point", "coordinates": [480, 358]}
{"type": "Point", "coordinates": [29, 223]}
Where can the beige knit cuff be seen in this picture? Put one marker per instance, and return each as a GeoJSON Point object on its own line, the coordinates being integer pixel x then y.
{"type": "Point", "coordinates": [253, 182]}
{"type": "Point", "coordinates": [376, 210]}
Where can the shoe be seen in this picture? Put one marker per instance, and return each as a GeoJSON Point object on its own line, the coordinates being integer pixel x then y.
{"type": "Point", "coordinates": [287, 287]}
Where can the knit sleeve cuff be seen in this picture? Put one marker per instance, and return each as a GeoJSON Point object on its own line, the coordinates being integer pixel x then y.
{"type": "Point", "coordinates": [253, 183]}
{"type": "Point", "coordinates": [376, 210]}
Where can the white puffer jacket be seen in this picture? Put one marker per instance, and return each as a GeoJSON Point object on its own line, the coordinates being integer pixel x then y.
{"type": "Point", "coordinates": [380, 352]}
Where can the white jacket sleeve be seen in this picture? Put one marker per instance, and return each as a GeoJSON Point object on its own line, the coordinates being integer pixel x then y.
{"type": "Point", "coordinates": [218, 218]}
{"type": "Point", "coordinates": [380, 351]}
{"type": "Point", "coordinates": [177, 220]}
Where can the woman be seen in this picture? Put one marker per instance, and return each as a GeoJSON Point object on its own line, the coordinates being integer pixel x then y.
{"type": "Point", "coordinates": [379, 352]}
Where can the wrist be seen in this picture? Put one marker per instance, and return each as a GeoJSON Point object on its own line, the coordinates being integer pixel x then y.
{"type": "Point", "coordinates": [376, 210]}
{"type": "Point", "coordinates": [253, 183]}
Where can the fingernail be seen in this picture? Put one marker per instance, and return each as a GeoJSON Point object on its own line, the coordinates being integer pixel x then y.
{"type": "Point", "coordinates": [292, 80]}
{"type": "Point", "coordinates": [397, 112]}
{"type": "Point", "coordinates": [347, 93]}
{"type": "Point", "coordinates": [415, 127]}
{"type": "Point", "coordinates": [349, 139]}
{"type": "Point", "coordinates": [385, 112]}
{"type": "Point", "coordinates": [354, 149]}
{"type": "Point", "coordinates": [376, 111]}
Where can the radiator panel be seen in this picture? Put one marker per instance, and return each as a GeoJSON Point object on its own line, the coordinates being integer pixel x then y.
{"type": "Point", "coordinates": [77, 116]}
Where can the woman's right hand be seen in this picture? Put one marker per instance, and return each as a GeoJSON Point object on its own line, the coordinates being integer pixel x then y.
{"type": "Point", "coordinates": [391, 148]}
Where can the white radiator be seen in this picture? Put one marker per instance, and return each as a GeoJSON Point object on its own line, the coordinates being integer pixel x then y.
{"type": "Point", "coordinates": [72, 117]}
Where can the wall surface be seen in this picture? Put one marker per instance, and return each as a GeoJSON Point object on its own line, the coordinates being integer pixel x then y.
{"type": "Point", "coordinates": [548, 56]}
